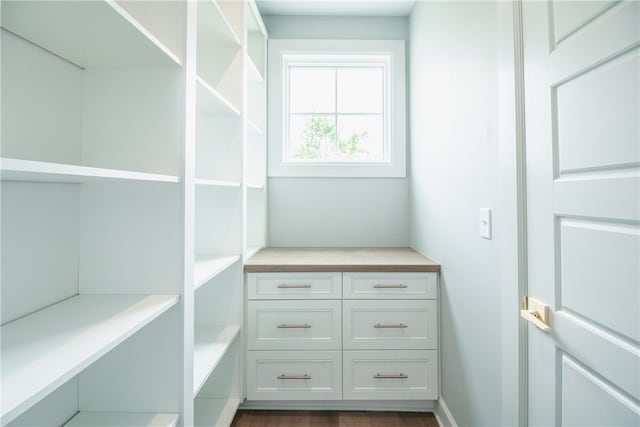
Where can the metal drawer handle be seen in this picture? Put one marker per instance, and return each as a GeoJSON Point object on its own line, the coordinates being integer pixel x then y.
{"type": "Point", "coordinates": [293, 326]}
{"type": "Point", "coordinates": [294, 377]}
{"type": "Point", "coordinates": [387, 377]}
{"type": "Point", "coordinates": [400, 286]}
{"type": "Point", "coordinates": [302, 286]}
{"type": "Point", "coordinates": [381, 326]}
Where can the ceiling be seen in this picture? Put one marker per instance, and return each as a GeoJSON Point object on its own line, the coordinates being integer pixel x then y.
{"type": "Point", "coordinates": [336, 7]}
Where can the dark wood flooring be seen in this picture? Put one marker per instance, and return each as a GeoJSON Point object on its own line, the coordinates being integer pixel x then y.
{"type": "Point", "coordinates": [333, 419]}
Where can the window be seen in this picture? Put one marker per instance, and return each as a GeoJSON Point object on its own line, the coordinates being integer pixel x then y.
{"type": "Point", "coordinates": [336, 108]}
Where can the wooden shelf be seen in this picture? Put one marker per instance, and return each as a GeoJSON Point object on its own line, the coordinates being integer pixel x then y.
{"type": "Point", "coordinates": [348, 259]}
{"type": "Point", "coordinates": [90, 34]}
{"type": "Point", "coordinates": [214, 29]}
{"type": "Point", "coordinates": [45, 349]}
{"type": "Point", "coordinates": [206, 268]}
{"type": "Point", "coordinates": [211, 344]}
{"type": "Point", "coordinates": [122, 419]}
{"type": "Point", "coordinates": [211, 102]}
{"type": "Point", "coordinates": [28, 170]}
{"type": "Point", "coordinates": [215, 412]}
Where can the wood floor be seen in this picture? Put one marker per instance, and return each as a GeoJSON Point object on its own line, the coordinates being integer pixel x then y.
{"type": "Point", "coordinates": [333, 419]}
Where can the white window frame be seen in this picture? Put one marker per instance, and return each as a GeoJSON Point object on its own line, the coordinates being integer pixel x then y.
{"type": "Point", "coordinates": [396, 108]}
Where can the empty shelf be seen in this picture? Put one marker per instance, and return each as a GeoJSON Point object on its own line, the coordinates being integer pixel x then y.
{"type": "Point", "coordinates": [253, 73]}
{"type": "Point", "coordinates": [211, 102]}
{"type": "Point", "coordinates": [90, 34]}
{"type": "Point", "coordinates": [207, 268]}
{"type": "Point", "coordinates": [214, 28]}
{"type": "Point", "coordinates": [211, 344]}
{"type": "Point", "coordinates": [28, 170]}
{"type": "Point", "coordinates": [216, 183]}
{"type": "Point", "coordinates": [45, 349]}
{"type": "Point", "coordinates": [122, 419]}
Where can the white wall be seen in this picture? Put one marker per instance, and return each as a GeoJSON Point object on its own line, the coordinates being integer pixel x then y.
{"type": "Point", "coordinates": [338, 211]}
{"type": "Point", "coordinates": [455, 172]}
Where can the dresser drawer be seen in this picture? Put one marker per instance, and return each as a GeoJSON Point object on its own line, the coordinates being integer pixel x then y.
{"type": "Point", "coordinates": [390, 374]}
{"type": "Point", "coordinates": [294, 375]}
{"type": "Point", "coordinates": [392, 324]}
{"type": "Point", "coordinates": [294, 285]}
{"type": "Point", "coordinates": [390, 285]}
{"type": "Point", "coordinates": [299, 325]}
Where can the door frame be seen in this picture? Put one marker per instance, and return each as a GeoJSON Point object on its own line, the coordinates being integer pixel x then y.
{"type": "Point", "coordinates": [512, 227]}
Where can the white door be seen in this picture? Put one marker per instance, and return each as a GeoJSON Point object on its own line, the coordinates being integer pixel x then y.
{"type": "Point", "coordinates": [582, 96]}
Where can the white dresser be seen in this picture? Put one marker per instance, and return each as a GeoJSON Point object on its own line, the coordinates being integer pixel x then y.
{"type": "Point", "coordinates": [341, 324]}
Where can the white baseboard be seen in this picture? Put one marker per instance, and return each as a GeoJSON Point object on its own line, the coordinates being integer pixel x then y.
{"type": "Point", "coordinates": [443, 415]}
{"type": "Point", "coordinates": [343, 405]}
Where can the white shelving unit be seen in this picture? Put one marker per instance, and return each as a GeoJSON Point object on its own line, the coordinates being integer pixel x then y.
{"type": "Point", "coordinates": [132, 157]}
{"type": "Point", "coordinates": [220, 86]}
{"type": "Point", "coordinates": [255, 195]}
{"type": "Point", "coordinates": [91, 142]}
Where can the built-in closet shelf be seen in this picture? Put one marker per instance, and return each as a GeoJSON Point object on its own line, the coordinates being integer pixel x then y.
{"type": "Point", "coordinates": [253, 128]}
{"type": "Point", "coordinates": [33, 171]}
{"type": "Point", "coordinates": [213, 103]}
{"type": "Point", "coordinates": [216, 183]}
{"type": "Point", "coordinates": [215, 412]}
{"type": "Point", "coordinates": [122, 419]}
{"type": "Point", "coordinates": [253, 73]}
{"type": "Point", "coordinates": [207, 267]}
{"type": "Point", "coordinates": [214, 28]}
{"type": "Point", "coordinates": [90, 34]}
{"type": "Point", "coordinates": [211, 344]}
{"type": "Point", "coordinates": [45, 349]}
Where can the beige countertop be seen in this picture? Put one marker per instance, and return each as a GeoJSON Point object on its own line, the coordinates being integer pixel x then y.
{"type": "Point", "coordinates": [306, 259]}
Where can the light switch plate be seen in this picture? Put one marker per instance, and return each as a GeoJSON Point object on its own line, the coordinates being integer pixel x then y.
{"type": "Point", "coordinates": [485, 223]}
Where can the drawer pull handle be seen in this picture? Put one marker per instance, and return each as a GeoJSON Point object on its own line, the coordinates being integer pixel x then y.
{"type": "Point", "coordinates": [388, 377]}
{"type": "Point", "coordinates": [381, 326]}
{"type": "Point", "coordinates": [290, 326]}
{"type": "Point", "coordinates": [286, 286]}
{"type": "Point", "coordinates": [400, 286]}
{"type": "Point", "coordinates": [294, 377]}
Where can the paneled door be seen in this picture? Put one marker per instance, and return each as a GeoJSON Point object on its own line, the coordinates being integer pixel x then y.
{"type": "Point", "coordinates": [582, 97]}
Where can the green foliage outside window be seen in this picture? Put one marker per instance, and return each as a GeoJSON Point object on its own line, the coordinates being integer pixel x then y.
{"type": "Point", "coordinates": [320, 141]}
